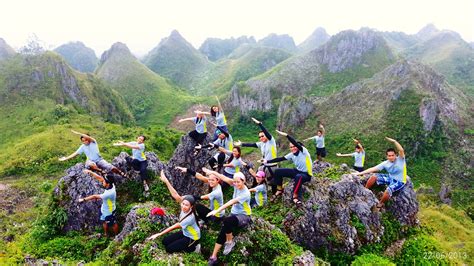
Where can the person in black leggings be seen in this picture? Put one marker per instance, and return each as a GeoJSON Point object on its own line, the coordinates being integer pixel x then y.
{"type": "Point", "coordinates": [138, 160]}
{"type": "Point", "coordinates": [187, 239]}
{"type": "Point", "coordinates": [200, 133]}
{"type": "Point", "coordinates": [301, 173]}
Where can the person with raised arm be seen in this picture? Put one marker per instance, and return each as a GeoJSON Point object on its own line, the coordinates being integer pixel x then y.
{"type": "Point", "coordinates": [218, 113]}
{"type": "Point", "coordinates": [187, 239]}
{"type": "Point", "coordinates": [108, 197]}
{"type": "Point", "coordinates": [358, 154]}
{"type": "Point", "coordinates": [94, 161]}
{"type": "Point", "coordinates": [215, 196]}
{"type": "Point", "coordinates": [319, 142]}
{"type": "Point", "coordinates": [138, 160]}
{"type": "Point", "coordinates": [239, 217]}
{"type": "Point", "coordinates": [268, 149]}
{"type": "Point", "coordinates": [302, 172]}
{"type": "Point", "coordinates": [200, 132]}
{"type": "Point", "coordinates": [396, 167]}
{"type": "Point", "coordinates": [224, 141]}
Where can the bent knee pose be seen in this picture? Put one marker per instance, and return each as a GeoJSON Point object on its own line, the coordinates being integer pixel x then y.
{"type": "Point", "coordinates": [358, 154]}
{"type": "Point", "coordinates": [107, 210]}
{"type": "Point", "coordinates": [94, 161]}
{"type": "Point", "coordinates": [187, 239]}
{"type": "Point", "coordinates": [200, 132]}
{"type": "Point", "coordinates": [319, 143]}
{"type": "Point", "coordinates": [397, 172]}
{"type": "Point", "coordinates": [240, 213]}
{"type": "Point", "coordinates": [302, 172]}
{"type": "Point", "coordinates": [225, 141]}
{"type": "Point", "coordinates": [268, 149]}
{"type": "Point", "coordinates": [215, 196]}
{"type": "Point", "coordinates": [138, 160]}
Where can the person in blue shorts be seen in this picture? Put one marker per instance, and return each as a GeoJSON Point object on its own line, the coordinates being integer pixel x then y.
{"type": "Point", "coordinates": [396, 176]}
{"type": "Point", "coordinates": [319, 142]}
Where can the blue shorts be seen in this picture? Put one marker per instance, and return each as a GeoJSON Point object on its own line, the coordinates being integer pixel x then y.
{"type": "Point", "coordinates": [109, 219]}
{"type": "Point", "coordinates": [393, 184]}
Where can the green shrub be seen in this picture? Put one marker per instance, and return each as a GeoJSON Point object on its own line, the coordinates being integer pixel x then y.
{"type": "Point", "coordinates": [372, 260]}
{"type": "Point", "coordinates": [421, 250]}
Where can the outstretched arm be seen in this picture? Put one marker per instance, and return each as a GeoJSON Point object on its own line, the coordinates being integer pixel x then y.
{"type": "Point", "coordinates": [240, 143]}
{"type": "Point", "coordinates": [220, 176]}
{"type": "Point", "coordinates": [126, 144]}
{"type": "Point", "coordinates": [89, 138]}
{"type": "Point", "coordinates": [219, 104]}
{"type": "Point", "coordinates": [323, 130]}
{"type": "Point", "coordinates": [223, 207]}
{"type": "Point", "coordinates": [186, 119]}
{"type": "Point", "coordinates": [265, 131]}
{"type": "Point", "coordinates": [401, 151]}
{"type": "Point", "coordinates": [344, 155]}
{"type": "Point", "coordinates": [92, 197]}
{"type": "Point", "coordinates": [74, 154]}
{"type": "Point", "coordinates": [94, 175]}
{"type": "Point", "coordinates": [193, 173]}
{"type": "Point", "coordinates": [169, 229]}
{"type": "Point", "coordinates": [173, 191]}
{"type": "Point", "coordinates": [291, 139]}
{"type": "Point", "coordinates": [368, 171]}
{"type": "Point", "coordinates": [222, 149]}
{"type": "Point", "coordinates": [201, 112]}
{"type": "Point", "coordinates": [313, 137]}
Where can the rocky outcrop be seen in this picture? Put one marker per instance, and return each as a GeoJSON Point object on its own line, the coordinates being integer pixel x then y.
{"type": "Point", "coordinates": [315, 40]}
{"type": "Point", "coordinates": [294, 111]}
{"type": "Point", "coordinates": [428, 113]}
{"type": "Point", "coordinates": [283, 41]}
{"type": "Point", "coordinates": [5, 50]}
{"type": "Point", "coordinates": [215, 48]}
{"type": "Point", "coordinates": [78, 56]}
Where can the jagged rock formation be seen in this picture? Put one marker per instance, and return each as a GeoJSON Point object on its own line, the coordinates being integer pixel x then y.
{"type": "Point", "coordinates": [215, 48]}
{"type": "Point", "coordinates": [78, 56]}
{"type": "Point", "coordinates": [283, 41]}
{"type": "Point", "coordinates": [5, 50]}
{"type": "Point", "coordinates": [427, 32]}
{"type": "Point", "coordinates": [293, 111]}
{"type": "Point", "coordinates": [315, 40]}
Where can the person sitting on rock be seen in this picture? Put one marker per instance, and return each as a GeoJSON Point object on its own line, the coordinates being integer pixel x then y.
{"type": "Point", "coordinates": [107, 210]}
{"type": "Point", "coordinates": [234, 163]}
{"type": "Point", "coordinates": [225, 141]}
{"type": "Point", "coordinates": [138, 159]}
{"type": "Point", "coordinates": [94, 161]}
{"type": "Point", "coordinates": [397, 172]}
{"type": "Point", "coordinates": [260, 189]}
{"type": "Point", "coordinates": [215, 196]}
{"type": "Point", "coordinates": [268, 149]}
{"type": "Point", "coordinates": [200, 133]}
{"type": "Point", "coordinates": [239, 217]}
{"type": "Point", "coordinates": [187, 239]}
{"type": "Point", "coordinates": [301, 174]}
{"type": "Point", "coordinates": [319, 142]}
{"type": "Point", "coordinates": [359, 156]}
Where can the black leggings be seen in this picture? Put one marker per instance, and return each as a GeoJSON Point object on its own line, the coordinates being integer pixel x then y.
{"type": "Point", "coordinates": [139, 166]}
{"type": "Point", "coordinates": [177, 242]}
{"type": "Point", "coordinates": [298, 176]}
{"type": "Point", "coordinates": [220, 160]}
{"type": "Point", "coordinates": [229, 225]}
{"type": "Point", "coordinates": [202, 211]}
{"type": "Point", "coordinates": [198, 137]}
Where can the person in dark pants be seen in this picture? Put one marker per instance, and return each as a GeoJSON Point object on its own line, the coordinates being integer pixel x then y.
{"type": "Point", "coordinates": [319, 142]}
{"type": "Point", "coordinates": [224, 140]}
{"type": "Point", "coordinates": [301, 174]}
{"type": "Point", "coordinates": [359, 156]}
{"type": "Point", "coordinates": [200, 133]}
{"type": "Point", "coordinates": [187, 239]}
{"type": "Point", "coordinates": [138, 160]}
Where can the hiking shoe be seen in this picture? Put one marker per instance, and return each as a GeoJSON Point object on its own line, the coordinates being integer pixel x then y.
{"type": "Point", "coordinates": [198, 147]}
{"type": "Point", "coordinates": [228, 246]}
{"type": "Point", "coordinates": [145, 187]}
{"type": "Point", "coordinates": [212, 261]}
{"type": "Point", "coordinates": [198, 249]}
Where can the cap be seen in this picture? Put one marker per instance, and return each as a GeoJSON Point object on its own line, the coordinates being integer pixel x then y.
{"type": "Point", "coordinates": [261, 174]}
{"type": "Point", "coordinates": [157, 211]}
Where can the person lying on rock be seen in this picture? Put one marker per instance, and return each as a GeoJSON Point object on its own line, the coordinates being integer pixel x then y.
{"type": "Point", "coordinates": [223, 140]}
{"type": "Point", "coordinates": [107, 210]}
{"type": "Point", "coordinates": [319, 143]}
{"type": "Point", "coordinates": [138, 159]}
{"type": "Point", "coordinates": [187, 239]}
{"type": "Point", "coordinates": [260, 189]}
{"type": "Point", "coordinates": [239, 217]}
{"type": "Point", "coordinates": [215, 196]}
{"type": "Point", "coordinates": [268, 148]}
{"type": "Point", "coordinates": [358, 154]}
{"type": "Point", "coordinates": [200, 133]}
{"type": "Point", "coordinates": [397, 172]}
{"type": "Point", "coordinates": [94, 161]}
{"type": "Point", "coordinates": [302, 172]}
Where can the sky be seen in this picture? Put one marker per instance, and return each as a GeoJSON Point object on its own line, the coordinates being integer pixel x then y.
{"type": "Point", "coordinates": [141, 24]}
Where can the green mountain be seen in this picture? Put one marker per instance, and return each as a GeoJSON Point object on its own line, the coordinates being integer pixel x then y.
{"type": "Point", "coordinates": [151, 98]}
{"type": "Point", "coordinates": [283, 41]}
{"type": "Point", "coordinates": [450, 55]}
{"type": "Point", "coordinates": [243, 63]}
{"type": "Point", "coordinates": [215, 48]}
{"type": "Point", "coordinates": [399, 41]}
{"type": "Point", "coordinates": [5, 50]}
{"type": "Point", "coordinates": [176, 59]}
{"type": "Point", "coordinates": [78, 56]}
{"type": "Point", "coordinates": [427, 32]}
{"type": "Point", "coordinates": [315, 40]}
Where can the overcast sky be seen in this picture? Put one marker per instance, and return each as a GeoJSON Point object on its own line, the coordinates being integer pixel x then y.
{"type": "Point", "coordinates": [141, 24]}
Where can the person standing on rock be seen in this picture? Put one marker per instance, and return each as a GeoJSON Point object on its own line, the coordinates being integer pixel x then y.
{"type": "Point", "coordinates": [218, 113]}
{"type": "Point", "coordinates": [358, 154]}
{"type": "Point", "coordinates": [94, 161]}
{"type": "Point", "coordinates": [107, 210]}
{"type": "Point", "coordinates": [268, 148]}
{"type": "Point", "coordinates": [396, 168]}
{"type": "Point", "coordinates": [200, 133]}
{"type": "Point", "coordinates": [138, 159]}
{"type": "Point", "coordinates": [319, 142]}
{"type": "Point", "coordinates": [301, 173]}
{"type": "Point", "coordinates": [187, 239]}
{"type": "Point", "coordinates": [215, 196]}
{"type": "Point", "coordinates": [240, 213]}
{"type": "Point", "coordinates": [225, 141]}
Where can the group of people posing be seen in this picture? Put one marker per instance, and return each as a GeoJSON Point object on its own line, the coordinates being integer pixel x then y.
{"type": "Point", "coordinates": [224, 173]}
